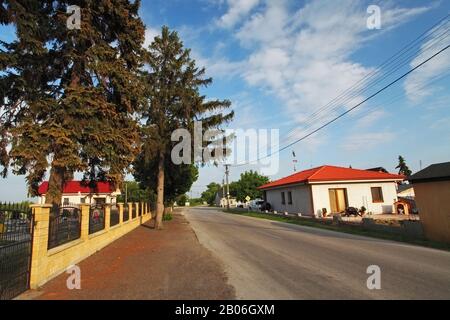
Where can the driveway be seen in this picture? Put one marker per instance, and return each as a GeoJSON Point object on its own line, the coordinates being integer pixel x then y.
{"type": "Point", "coordinates": [273, 260]}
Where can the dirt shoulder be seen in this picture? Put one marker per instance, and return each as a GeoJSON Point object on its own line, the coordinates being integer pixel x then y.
{"type": "Point", "coordinates": [147, 264]}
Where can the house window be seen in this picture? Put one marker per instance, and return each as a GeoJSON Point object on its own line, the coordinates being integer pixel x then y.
{"type": "Point", "coordinates": [377, 194]}
{"type": "Point", "coordinates": [283, 198]}
{"type": "Point", "coordinates": [82, 200]}
{"type": "Point", "coordinates": [66, 201]}
{"type": "Point", "coordinates": [289, 197]}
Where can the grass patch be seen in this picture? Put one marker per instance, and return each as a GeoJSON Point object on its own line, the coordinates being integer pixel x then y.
{"type": "Point", "coordinates": [351, 229]}
{"type": "Point", "coordinates": [167, 217]}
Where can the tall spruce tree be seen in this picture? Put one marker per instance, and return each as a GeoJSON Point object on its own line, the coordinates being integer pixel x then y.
{"type": "Point", "coordinates": [173, 101]}
{"type": "Point", "coordinates": [70, 95]}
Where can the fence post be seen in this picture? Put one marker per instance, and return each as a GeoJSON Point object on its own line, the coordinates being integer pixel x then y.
{"type": "Point", "coordinates": [107, 216]}
{"type": "Point", "coordinates": [85, 212]}
{"type": "Point", "coordinates": [120, 205]}
{"type": "Point", "coordinates": [130, 211]}
{"type": "Point", "coordinates": [142, 209]}
{"type": "Point", "coordinates": [39, 242]}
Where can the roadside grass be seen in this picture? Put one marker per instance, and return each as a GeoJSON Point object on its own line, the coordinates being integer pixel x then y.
{"type": "Point", "coordinates": [350, 229]}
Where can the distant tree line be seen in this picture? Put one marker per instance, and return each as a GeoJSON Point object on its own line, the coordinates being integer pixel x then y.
{"type": "Point", "coordinates": [247, 185]}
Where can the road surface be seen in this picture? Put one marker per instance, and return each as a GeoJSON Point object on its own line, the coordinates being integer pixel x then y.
{"type": "Point", "coordinates": [271, 260]}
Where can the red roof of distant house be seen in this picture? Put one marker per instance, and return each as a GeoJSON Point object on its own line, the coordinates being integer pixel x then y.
{"type": "Point", "coordinates": [332, 173]}
{"type": "Point", "coordinates": [74, 187]}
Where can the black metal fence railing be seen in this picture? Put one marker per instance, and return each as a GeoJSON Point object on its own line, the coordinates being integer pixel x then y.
{"type": "Point", "coordinates": [126, 212]}
{"type": "Point", "coordinates": [16, 225]}
{"type": "Point", "coordinates": [133, 215]}
{"type": "Point", "coordinates": [64, 225]}
{"type": "Point", "coordinates": [15, 222]}
{"type": "Point", "coordinates": [114, 215]}
{"type": "Point", "coordinates": [96, 218]}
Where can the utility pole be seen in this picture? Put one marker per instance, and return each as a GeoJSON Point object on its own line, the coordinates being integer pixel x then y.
{"type": "Point", "coordinates": [227, 172]}
{"type": "Point", "coordinates": [223, 192]}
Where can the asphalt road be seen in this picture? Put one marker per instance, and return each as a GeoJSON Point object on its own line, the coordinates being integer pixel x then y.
{"type": "Point", "coordinates": [272, 260]}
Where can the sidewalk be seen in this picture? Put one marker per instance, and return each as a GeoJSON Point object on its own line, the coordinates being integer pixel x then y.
{"type": "Point", "coordinates": [146, 264]}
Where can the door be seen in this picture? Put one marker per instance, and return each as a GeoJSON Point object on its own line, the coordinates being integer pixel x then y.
{"type": "Point", "coordinates": [338, 200]}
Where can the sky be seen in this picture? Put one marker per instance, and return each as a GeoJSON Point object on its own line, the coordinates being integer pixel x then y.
{"type": "Point", "coordinates": [281, 62]}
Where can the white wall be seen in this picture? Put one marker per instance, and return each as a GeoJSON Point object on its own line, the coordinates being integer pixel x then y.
{"type": "Point", "coordinates": [301, 200]}
{"type": "Point", "coordinates": [76, 199]}
{"type": "Point", "coordinates": [359, 194]}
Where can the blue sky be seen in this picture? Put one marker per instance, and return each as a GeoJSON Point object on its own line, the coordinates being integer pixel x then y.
{"type": "Point", "coordinates": [279, 61]}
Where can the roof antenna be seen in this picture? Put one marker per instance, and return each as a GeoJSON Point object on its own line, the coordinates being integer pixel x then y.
{"type": "Point", "coordinates": [294, 161]}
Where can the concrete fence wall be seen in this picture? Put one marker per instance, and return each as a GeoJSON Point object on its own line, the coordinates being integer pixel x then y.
{"type": "Point", "coordinates": [47, 264]}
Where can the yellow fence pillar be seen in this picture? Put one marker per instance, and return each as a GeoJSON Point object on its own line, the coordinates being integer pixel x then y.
{"type": "Point", "coordinates": [130, 211]}
{"type": "Point", "coordinates": [85, 221]}
{"type": "Point", "coordinates": [107, 216]}
{"type": "Point", "coordinates": [39, 242]}
{"type": "Point", "coordinates": [120, 205]}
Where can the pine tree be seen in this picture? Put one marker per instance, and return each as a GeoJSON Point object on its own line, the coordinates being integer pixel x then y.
{"type": "Point", "coordinates": [173, 101]}
{"type": "Point", "coordinates": [402, 167]}
{"type": "Point", "coordinates": [71, 94]}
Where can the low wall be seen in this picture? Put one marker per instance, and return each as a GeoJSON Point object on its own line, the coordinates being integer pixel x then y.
{"type": "Point", "coordinates": [407, 228]}
{"type": "Point", "coordinates": [411, 229]}
{"type": "Point", "coordinates": [47, 264]}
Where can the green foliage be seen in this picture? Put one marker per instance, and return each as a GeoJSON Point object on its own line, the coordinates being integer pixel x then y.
{"type": "Point", "coordinates": [209, 195]}
{"type": "Point", "coordinates": [132, 192]}
{"type": "Point", "coordinates": [167, 217]}
{"type": "Point", "coordinates": [181, 200]}
{"type": "Point", "coordinates": [178, 178]}
{"type": "Point", "coordinates": [70, 95]}
{"type": "Point", "coordinates": [247, 186]}
{"type": "Point", "coordinates": [402, 167]}
{"type": "Point", "coordinates": [196, 202]}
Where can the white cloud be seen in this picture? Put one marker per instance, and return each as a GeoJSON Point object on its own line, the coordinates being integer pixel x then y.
{"type": "Point", "coordinates": [304, 57]}
{"type": "Point", "coordinates": [370, 118]}
{"type": "Point", "coordinates": [237, 9]}
{"type": "Point", "coordinates": [415, 85]}
{"type": "Point", "coordinates": [365, 141]}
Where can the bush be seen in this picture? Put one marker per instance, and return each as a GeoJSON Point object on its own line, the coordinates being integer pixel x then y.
{"type": "Point", "coordinates": [167, 217]}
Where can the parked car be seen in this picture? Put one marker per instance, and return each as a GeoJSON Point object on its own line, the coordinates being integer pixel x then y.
{"type": "Point", "coordinates": [266, 207]}
{"type": "Point", "coordinates": [255, 204]}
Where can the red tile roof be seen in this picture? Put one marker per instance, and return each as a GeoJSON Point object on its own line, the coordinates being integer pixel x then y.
{"type": "Point", "coordinates": [74, 187]}
{"type": "Point", "coordinates": [331, 173]}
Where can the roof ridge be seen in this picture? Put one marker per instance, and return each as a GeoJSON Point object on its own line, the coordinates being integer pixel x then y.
{"type": "Point", "coordinates": [317, 171]}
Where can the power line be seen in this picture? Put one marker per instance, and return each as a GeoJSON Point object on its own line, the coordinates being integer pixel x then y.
{"type": "Point", "coordinates": [334, 106]}
{"type": "Point", "coordinates": [351, 109]}
{"type": "Point", "coordinates": [370, 80]}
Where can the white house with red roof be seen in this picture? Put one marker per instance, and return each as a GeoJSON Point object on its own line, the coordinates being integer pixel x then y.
{"type": "Point", "coordinates": [77, 192]}
{"type": "Point", "coordinates": [328, 190]}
